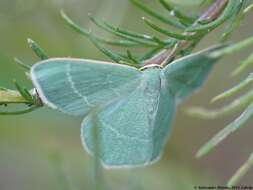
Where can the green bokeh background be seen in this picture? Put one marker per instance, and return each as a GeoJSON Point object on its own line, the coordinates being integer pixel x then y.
{"type": "Point", "coordinates": [27, 142]}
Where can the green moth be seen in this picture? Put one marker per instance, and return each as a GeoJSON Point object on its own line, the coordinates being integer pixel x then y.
{"type": "Point", "coordinates": [136, 105]}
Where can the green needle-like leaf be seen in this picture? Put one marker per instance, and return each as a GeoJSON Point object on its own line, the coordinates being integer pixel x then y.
{"type": "Point", "coordinates": [140, 36]}
{"type": "Point", "coordinates": [235, 89]}
{"type": "Point", "coordinates": [109, 28]}
{"type": "Point", "coordinates": [114, 31]}
{"type": "Point", "coordinates": [116, 57]}
{"type": "Point", "coordinates": [238, 123]}
{"type": "Point", "coordinates": [112, 55]}
{"type": "Point", "coordinates": [234, 48]}
{"type": "Point", "coordinates": [168, 33]}
{"type": "Point", "coordinates": [20, 112]}
{"type": "Point", "coordinates": [150, 53]}
{"type": "Point", "coordinates": [241, 172]}
{"type": "Point", "coordinates": [235, 22]}
{"type": "Point", "coordinates": [156, 15]}
{"type": "Point", "coordinates": [22, 64]}
{"type": "Point", "coordinates": [84, 32]}
{"type": "Point", "coordinates": [134, 34]}
{"type": "Point", "coordinates": [236, 105]}
{"type": "Point", "coordinates": [131, 57]}
{"type": "Point", "coordinates": [37, 49]}
{"type": "Point", "coordinates": [24, 92]}
{"type": "Point", "coordinates": [3, 89]}
{"type": "Point", "coordinates": [176, 12]}
{"type": "Point", "coordinates": [245, 64]}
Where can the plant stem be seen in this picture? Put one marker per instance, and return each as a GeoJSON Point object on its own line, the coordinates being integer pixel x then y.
{"type": "Point", "coordinates": [241, 171]}
{"type": "Point", "coordinates": [15, 97]}
{"type": "Point", "coordinates": [11, 96]}
{"type": "Point", "coordinates": [165, 56]}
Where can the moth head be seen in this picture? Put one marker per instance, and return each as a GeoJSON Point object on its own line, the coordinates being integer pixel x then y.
{"type": "Point", "coordinates": [151, 66]}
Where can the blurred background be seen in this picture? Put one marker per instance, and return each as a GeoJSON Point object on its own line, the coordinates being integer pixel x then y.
{"type": "Point", "coordinates": [42, 150]}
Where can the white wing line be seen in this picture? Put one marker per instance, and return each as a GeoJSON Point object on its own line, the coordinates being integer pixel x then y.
{"type": "Point", "coordinates": [73, 86]}
{"type": "Point", "coordinates": [123, 136]}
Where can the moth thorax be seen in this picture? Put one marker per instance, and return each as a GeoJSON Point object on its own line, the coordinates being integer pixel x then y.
{"type": "Point", "coordinates": [152, 92]}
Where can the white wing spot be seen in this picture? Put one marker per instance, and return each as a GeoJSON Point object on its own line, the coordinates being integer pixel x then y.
{"type": "Point", "coordinates": [73, 86]}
